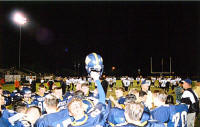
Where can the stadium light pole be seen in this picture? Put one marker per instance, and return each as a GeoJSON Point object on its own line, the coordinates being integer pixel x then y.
{"type": "Point", "coordinates": [21, 20]}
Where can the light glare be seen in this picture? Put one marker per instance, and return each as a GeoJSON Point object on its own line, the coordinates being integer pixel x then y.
{"type": "Point", "coordinates": [19, 18]}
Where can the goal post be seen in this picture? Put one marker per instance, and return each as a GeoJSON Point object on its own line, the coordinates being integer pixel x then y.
{"type": "Point", "coordinates": [162, 69]}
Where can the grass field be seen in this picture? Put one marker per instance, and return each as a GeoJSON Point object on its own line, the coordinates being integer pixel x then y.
{"type": "Point", "coordinates": [10, 87]}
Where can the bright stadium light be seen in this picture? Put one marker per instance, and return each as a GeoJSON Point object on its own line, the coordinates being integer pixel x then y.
{"type": "Point", "coordinates": [20, 19]}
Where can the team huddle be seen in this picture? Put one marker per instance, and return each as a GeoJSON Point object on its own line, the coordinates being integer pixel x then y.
{"type": "Point", "coordinates": [85, 108]}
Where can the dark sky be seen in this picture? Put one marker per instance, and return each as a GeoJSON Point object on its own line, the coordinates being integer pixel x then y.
{"type": "Point", "coordinates": [125, 34]}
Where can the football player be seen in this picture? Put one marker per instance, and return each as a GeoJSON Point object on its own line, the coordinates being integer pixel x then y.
{"type": "Point", "coordinates": [178, 116]}
{"type": "Point", "coordinates": [3, 121]}
{"type": "Point", "coordinates": [28, 120]}
{"type": "Point", "coordinates": [159, 99]}
{"type": "Point", "coordinates": [172, 115]}
{"type": "Point", "coordinates": [97, 117]}
{"type": "Point", "coordinates": [116, 115]}
{"type": "Point", "coordinates": [54, 116]}
{"type": "Point", "coordinates": [62, 99]}
{"type": "Point", "coordinates": [86, 90]}
{"type": "Point", "coordinates": [142, 99]}
{"type": "Point", "coordinates": [7, 99]}
{"type": "Point", "coordinates": [119, 92]}
{"type": "Point", "coordinates": [39, 97]}
{"type": "Point", "coordinates": [27, 97]}
{"type": "Point", "coordinates": [133, 115]}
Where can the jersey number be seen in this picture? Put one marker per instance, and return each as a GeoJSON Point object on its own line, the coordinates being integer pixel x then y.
{"type": "Point", "coordinates": [40, 105]}
{"type": "Point", "coordinates": [177, 117]}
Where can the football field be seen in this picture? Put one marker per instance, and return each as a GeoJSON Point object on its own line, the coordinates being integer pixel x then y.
{"type": "Point", "coordinates": [10, 87]}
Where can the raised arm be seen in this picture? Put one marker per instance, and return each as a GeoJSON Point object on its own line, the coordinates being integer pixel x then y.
{"type": "Point", "coordinates": [102, 96]}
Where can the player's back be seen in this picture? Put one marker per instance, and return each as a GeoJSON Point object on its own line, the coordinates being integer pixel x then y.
{"type": "Point", "coordinates": [178, 116]}
{"type": "Point", "coordinates": [161, 113]}
{"type": "Point", "coordinates": [58, 119]}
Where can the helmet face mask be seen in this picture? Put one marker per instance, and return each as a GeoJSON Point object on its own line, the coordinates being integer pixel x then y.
{"type": "Point", "coordinates": [94, 62]}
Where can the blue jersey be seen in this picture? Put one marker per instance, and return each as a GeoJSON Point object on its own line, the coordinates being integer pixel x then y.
{"type": "Point", "coordinates": [116, 116]}
{"type": "Point", "coordinates": [4, 122]}
{"type": "Point", "coordinates": [90, 105]}
{"type": "Point", "coordinates": [96, 118]}
{"type": "Point", "coordinates": [161, 113]}
{"type": "Point", "coordinates": [178, 116]}
{"type": "Point", "coordinates": [67, 94]}
{"type": "Point", "coordinates": [145, 117]}
{"type": "Point", "coordinates": [146, 109]}
{"type": "Point", "coordinates": [15, 96]}
{"type": "Point", "coordinates": [7, 97]}
{"type": "Point", "coordinates": [121, 100]}
{"type": "Point", "coordinates": [58, 119]}
{"type": "Point", "coordinates": [39, 101]}
{"type": "Point", "coordinates": [15, 119]}
{"type": "Point", "coordinates": [8, 113]}
{"type": "Point", "coordinates": [29, 103]}
{"type": "Point", "coordinates": [62, 103]}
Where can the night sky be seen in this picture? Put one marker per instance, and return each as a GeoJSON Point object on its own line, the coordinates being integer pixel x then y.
{"type": "Point", "coordinates": [59, 35]}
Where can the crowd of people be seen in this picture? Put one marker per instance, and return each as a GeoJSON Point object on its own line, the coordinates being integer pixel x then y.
{"type": "Point", "coordinates": [75, 104]}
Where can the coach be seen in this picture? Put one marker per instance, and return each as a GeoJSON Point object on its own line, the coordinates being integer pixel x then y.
{"type": "Point", "coordinates": [190, 99]}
